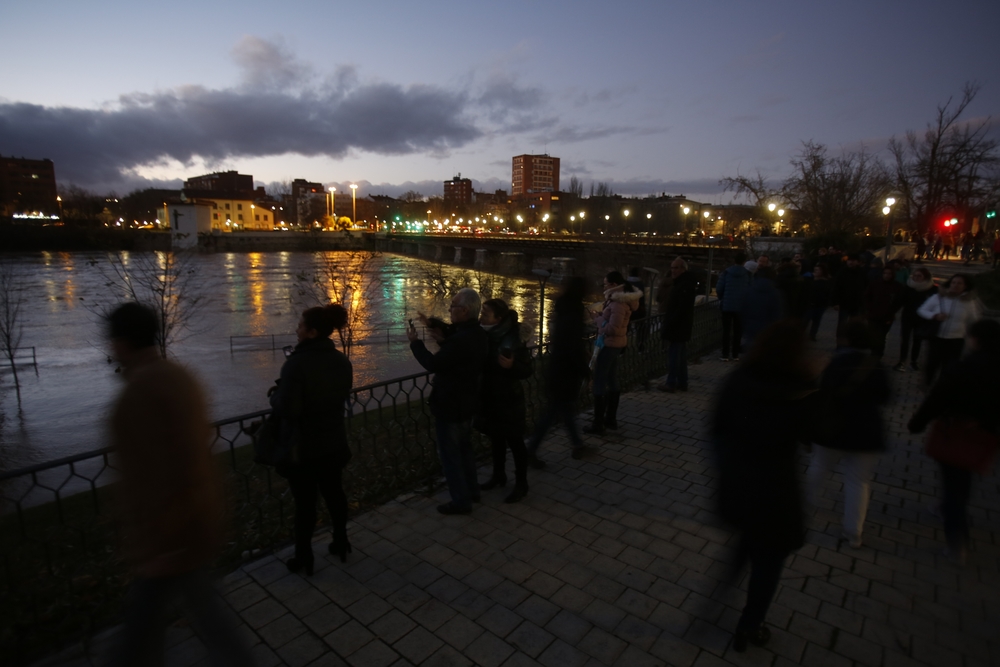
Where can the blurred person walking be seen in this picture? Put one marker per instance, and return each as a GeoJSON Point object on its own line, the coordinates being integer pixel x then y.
{"type": "Point", "coordinates": [849, 289]}
{"type": "Point", "coordinates": [763, 305]}
{"type": "Point", "coordinates": [502, 411]}
{"type": "Point", "coordinates": [171, 499]}
{"type": "Point", "coordinates": [819, 291]}
{"type": "Point", "coordinates": [454, 401]}
{"type": "Point", "coordinates": [310, 404]}
{"type": "Point", "coordinates": [919, 287]}
{"type": "Point", "coordinates": [852, 388]}
{"type": "Point", "coordinates": [566, 369]}
{"type": "Point", "coordinates": [949, 314]}
{"type": "Point", "coordinates": [962, 411]}
{"type": "Point", "coordinates": [678, 321]}
{"type": "Point", "coordinates": [758, 467]}
{"type": "Point", "coordinates": [620, 301]}
{"type": "Point", "coordinates": [731, 289]}
{"type": "Point", "coordinates": [883, 298]}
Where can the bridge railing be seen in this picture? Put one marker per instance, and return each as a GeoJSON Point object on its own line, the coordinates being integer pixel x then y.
{"type": "Point", "coordinates": [61, 577]}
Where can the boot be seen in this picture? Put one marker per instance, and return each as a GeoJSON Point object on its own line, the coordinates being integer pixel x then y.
{"type": "Point", "coordinates": [611, 420]}
{"type": "Point", "coordinates": [597, 427]}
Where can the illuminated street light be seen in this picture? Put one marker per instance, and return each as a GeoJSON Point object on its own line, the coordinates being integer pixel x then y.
{"type": "Point", "coordinates": [771, 207]}
{"type": "Point", "coordinates": [886, 210]}
{"type": "Point", "coordinates": [781, 212]}
{"type": "Point", "coordinates": [354, 205]}
{"type": "Point", "coordinates": [333, 204]}
{"type": "Point", "coordinates": [889, 201]}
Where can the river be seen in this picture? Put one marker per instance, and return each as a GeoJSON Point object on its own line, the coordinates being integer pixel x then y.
{"type": "Point", "coordinates": [65, 400]}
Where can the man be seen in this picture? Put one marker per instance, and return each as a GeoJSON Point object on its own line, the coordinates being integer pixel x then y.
{"type": "Point", "coordinates": [763, 262]}
{"type": "Point", "coordinates": [731, 289]}
{"type": "Point", "coordinates": [848, 290]}
{"type": "Point", "coordinates": [678, 320]}
{"type": "Point", "coordinates": [171, 500]}
{"type": "Point", "coordinates": [454, 400]}
{"type": "Point", "coordinates": [882, 299]}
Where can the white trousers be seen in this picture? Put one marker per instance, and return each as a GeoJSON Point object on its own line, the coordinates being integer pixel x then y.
{"type": "Point", "coordinates": [857, 469]}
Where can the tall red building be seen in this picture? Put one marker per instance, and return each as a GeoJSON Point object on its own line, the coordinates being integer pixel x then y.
{"type": "Point", "coordinates": [458, 191]}
{"type": "Point", "coordinates": [534, 173]}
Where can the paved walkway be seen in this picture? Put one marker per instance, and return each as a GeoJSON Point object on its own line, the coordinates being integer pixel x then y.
{"type": "Point", "coordinates": [617, 560]}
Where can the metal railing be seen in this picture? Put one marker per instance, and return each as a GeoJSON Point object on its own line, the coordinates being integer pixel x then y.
{"type": "Point", "coordinates": [21, 355]}
{"type": "Point", "coordinates": [388, 336]}
{"type": "Point", "coordinates": [60, 576]}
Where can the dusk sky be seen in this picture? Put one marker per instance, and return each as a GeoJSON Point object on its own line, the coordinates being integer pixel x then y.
{"type": "Point", "coordinates": [650, 97]}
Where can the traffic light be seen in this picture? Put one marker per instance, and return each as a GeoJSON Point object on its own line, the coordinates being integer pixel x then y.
{"type": "Point", "coordinates": [992, 213]}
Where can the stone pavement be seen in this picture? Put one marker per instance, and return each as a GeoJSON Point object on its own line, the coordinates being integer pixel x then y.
{"type": "Point", "coordinates": [617, 559]}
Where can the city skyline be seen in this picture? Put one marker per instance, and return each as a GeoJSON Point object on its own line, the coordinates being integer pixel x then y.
{"type": "Point", "coordinates": [647, 97]}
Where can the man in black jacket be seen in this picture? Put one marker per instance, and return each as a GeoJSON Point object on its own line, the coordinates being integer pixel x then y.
{"type": "Point", "coordinates": [454, 400]}
{"type": "Point", "coordinates": [678, 320]}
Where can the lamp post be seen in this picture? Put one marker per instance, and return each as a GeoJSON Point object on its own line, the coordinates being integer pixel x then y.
{"type": "Point", "coordinates": [649, 223]}
{"type": "Point", "coordinates": [625, 231]}
{"type": "Point", "coordinates": [572, 219]}
{"type": "Point", "coordinates": [354, 205]}
{"type": "Point", "coordinates": [582, 214]}
{"type": "Point", "coordinates": [253, 215]}
{"type": "Point", "coordinates": [887, 211]}
{"type": "Point", "coordinates": [59, 202]}
{"type": "Point", "coordinates": [333, 205]}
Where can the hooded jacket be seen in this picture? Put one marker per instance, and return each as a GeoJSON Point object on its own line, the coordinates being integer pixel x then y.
{"type": "Point", "coordinates": [612, 323]}
{"type": "Point", "coordinates": [732, 288]}
{"type": "Point", "coordinates": [502, 397]}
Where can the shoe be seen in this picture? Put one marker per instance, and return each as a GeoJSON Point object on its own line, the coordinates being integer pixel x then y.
{"type": "Point", "coordinates": [666, 388]}
{"type": "Point", "coordinates": [536, 462]}
{"type": "Point", "coordinates": [723, 358]}
{"type": "Point", "coordinates": [340, 548]}
{"type": "Point", "coordinates": [758, 637]}
{"type": "Point", "coordinates": [517, 494]}
{"type": "Point", "coordinates": [914, 366]}
{"type": "Point", "coordinates": [682, 388]}
{"type": "Point", "coordinates": [577, 453]}
{"type": "Point", "coordinates": [294, 565]}
{"type": "Point", "coordinates": [734, 359]}
{"type": "Point", "coordinates": [901, 367]}
{"type": "Point", "coordinates": [853, 541]}
{"type": "Point", "coordinates": [452, 508]}
{"type": "Point", "coordinates": [493, 482]}
{"type": "Point", "coordinates": [600, 407]}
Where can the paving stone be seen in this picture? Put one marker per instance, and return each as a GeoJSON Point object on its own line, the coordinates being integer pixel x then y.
{"type": "Point", "coordinates": [417, 645]}
{"type": "Point", "coordinates": [499, 620]}
{"type": "Point", "coordinates": [392, 626]}
{"type": "Point", "coordinates": [569, 627]}
{"type": "Point", "coordinates": [301, 651]}
{"type": "Point", "coordinates": [530, 639]}
{"type": "Point", "coordinates": [348, 638]}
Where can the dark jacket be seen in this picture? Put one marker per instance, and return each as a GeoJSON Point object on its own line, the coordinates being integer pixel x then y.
{"type": "Point", "coordinates": [732, 288]}
{"type": "Point", "coordinates": [913, 299]}
{"type": "Point", "coordinates": [763, 307]}
{"type": "Point", "coordinates": [757, 425]}
{"type": "Point", "coordinates": [458, 371]}
{"type": "Point", "coordinates": [567, 359]}
{"type": "Point", "coordinates": [849, 288]}
{"type": "Point", "coordinates": [882, 299]}
{"type": "Point", "coordinates": [854, 386]}
{"type": "Point", "coordinates": [678, 312]}
{"type": "Point", "coordinates": [819, 293]}
{"type": "Point", "coordinates": [966, 389]}
{"type": "Point", "coordinates": [793, 292]}
{"type": "Point", "coordinates": [502, 399]}
{"type": "Point", "coordinates": [310, 402]}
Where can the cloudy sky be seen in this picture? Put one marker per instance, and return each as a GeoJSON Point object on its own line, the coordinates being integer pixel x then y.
{"type": "Point", "coordinates": [649, 96]}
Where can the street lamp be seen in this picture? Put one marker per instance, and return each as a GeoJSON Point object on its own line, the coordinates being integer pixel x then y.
{"type": "Point", "coordinates": [887, 211]}
{"type": "Point", "coordinates": [625, 231]}
{"type": "Point", "coordinates": [572, 219]}
{"type": "Point", "coordinates": [354, 205]}
{"type": "Point", "coordinates": [333, 204]}
{"type": "Point", "coordinates": [59, 201]}
{"type": "Point", "coordinates": [253, 215]}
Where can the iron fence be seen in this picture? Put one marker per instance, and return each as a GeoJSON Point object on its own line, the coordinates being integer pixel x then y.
{"type": "Point", "coordinates": [61, 579]}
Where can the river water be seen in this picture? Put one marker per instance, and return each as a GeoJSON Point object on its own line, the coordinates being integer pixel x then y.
{"type": "Point", "coordinates": [65, 400]}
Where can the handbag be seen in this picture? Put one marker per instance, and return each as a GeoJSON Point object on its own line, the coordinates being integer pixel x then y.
{"type": "Point", "coordinates": [267, 446]}
{"type": "Point", "coordinates": [962, 443]}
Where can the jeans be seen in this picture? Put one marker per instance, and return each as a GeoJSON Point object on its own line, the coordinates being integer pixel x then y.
{"type": "Point", "coordinates": [307, 482]}
{"type": "Point", "coordinates": [814, 316]}
{"type": "Point", "coordinates": [765, 572]}
{"type": "Point", "coordinates": [877, 331]}
{"type": "Point", "coordinates": [942, 352]}
{"type": "Point", "coordinates": [906, 333]}
{"type": "Point", "coordinates": [677, 376]}
{"type": "Point", "coordinates": [555, 410]}
{"type": "Point", "coordinates": [858, 468]}
{"type": "Point", "coordinates": [149, 600]}
{"type": "Point", "coordinates": [500, 441]}
{"type": "Point", "coordinates": [732, 334]}
{"type": "Point", "coordinates": [606, 371]}
{"type": "Point", "coordinates": [458, 461]}
{"type": "Point", "coordinates": [956, 487]}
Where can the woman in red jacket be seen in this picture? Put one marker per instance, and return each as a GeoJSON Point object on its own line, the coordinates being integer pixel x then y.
{"type": "Point", "coordinates": [620, 300]}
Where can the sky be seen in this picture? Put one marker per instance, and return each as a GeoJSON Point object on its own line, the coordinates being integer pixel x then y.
{"type": "Point", "coordinates": [650, 97]}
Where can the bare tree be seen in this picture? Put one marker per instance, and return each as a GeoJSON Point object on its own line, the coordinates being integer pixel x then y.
{"type": "Point", "coordinates": [11, 327]}
{"type": "Point", "coordinates": [575, 186]}
{"type": "Point", "coordinates": [165, 281]}
{"type": "Point", "coordinates": [950, 168]}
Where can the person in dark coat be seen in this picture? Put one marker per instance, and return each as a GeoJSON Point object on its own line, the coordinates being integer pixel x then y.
{"type": "Point", "coordinates": [789, 282]}
{"type": "Point", "coordinates": [502, 415]}
{"type": "Point", "coordinates": [849, 289]}
{"type": "Point", "coordinates": [454, 401]}
{"type": "Point", "coordinates": [967, 390]}
{"type": "Point", "coordinates": [919, 287]}
{"type": "Point", "coordinates": [310, 404]}
{"type": "Point", "coordinates": [566, 369]}
{"type": "Point", "coordinates": [852, 386]}
{"type": "Point", "coordinates": [818, 293]}
{"type": "Point", "coordinates": [678, 320]}
{"type": "Point", "coordinates": [882, 299]}
{"type": "Point", "coordinates": [732, 288]}
{"type": "Point", "coordinates": [758, 467]}
{"type": "Point", "coordinates": [763, 305]}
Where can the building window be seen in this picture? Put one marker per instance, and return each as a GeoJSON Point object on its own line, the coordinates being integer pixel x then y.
{"type": "Point", "coordinates": [265, 217]}
{"type": "Point", "coordinates": [256, 217]}
{"type": "Point", "coordinates": [227, 207]}
{"type": "Point", "coordinates": [215, 216]}
{"type": "Point", "coordinates": [240, 216]}
{"type": "Point", "coordinates": [239, 207]}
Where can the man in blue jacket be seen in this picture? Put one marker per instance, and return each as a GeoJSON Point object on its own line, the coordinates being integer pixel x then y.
{"type": "Point", "coordinates": [731, 290]}
{"type": "Point", "coordinates": [454, 400]}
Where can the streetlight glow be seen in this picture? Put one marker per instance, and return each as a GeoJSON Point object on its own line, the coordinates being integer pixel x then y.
{"type": "Point", "coordinates": [771, 207]}
{"type": "Point", "coordinates": [889, 201]}
{"type": "Point", "coordinates": [781, 212]}
{"type": "Point", "coordinates": [886, 210]}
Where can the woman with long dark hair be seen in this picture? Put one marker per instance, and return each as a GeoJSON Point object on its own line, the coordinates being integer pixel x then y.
{"type": "Point", "coordinates": [309, 403]}
{"type": "Point", "coordinates": [502, 413]}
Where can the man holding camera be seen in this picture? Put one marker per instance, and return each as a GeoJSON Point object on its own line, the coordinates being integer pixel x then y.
{"type": "Point", "coordinates": [454, 401]}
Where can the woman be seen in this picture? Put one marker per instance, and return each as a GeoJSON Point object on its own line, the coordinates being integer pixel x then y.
{"type": "Point", "coordinates": [759, 419]}
{"type": "Point", "coordinates": [566, 369]}
{"type": "Point", "coordinates": [853, 386]}
{"type": "Point", "coordinates": [620, 301]}
{"type": "Point", "coordinates": [818, 297]}
{"type": "Point", "coordinates": [309, 403]}
{"type": "Point", "coordinates": [882, 299]}
{"type": "Point", "coordinates": [919, 288]}
{"type": "Point", "coordinates": [967, 392]}
{"type": "Point", "coordinates": [954, 308]}
{"type": "Point", "coordinates": [502, 413]}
